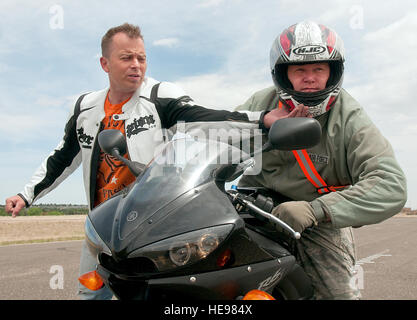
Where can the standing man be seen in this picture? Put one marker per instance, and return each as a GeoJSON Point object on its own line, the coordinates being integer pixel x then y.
{"type": "Point", "coordinates": [350, 179]}
{"type": "Point", "coordinates": [136, 105]}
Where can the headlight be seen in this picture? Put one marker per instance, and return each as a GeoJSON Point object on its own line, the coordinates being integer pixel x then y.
{"type": "Point", "coordinates": [95, 243]}
{"type": "Point", "coordinates": [184, 249]}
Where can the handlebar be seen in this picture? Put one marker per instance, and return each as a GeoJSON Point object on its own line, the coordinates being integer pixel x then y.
{"type": "Point", "coordinates": [268, 216]}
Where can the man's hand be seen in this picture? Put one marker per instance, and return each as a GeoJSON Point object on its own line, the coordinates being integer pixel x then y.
{"type": "Point", "coordinates": [14, 205]}
{"type": "Point", "coordinates": [274, 115]}
{"type": "Point", "coordinates": [297, 214]}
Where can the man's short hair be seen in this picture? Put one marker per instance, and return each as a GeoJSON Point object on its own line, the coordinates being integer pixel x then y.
{"type": "Point", "coordinates": [130, 30]}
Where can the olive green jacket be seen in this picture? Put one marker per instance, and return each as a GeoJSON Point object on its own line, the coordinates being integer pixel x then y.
{"type": "Point", "coordinates": [352, 152]}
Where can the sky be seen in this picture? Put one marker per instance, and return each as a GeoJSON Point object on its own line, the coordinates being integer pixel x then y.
{"type": "Point", "coordinates": [216, 50]}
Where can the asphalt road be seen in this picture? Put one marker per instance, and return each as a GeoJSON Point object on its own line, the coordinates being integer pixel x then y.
{"type": "Point", "coordinates": [387, 265]}
{"type": "Point", "coordinates": [45, 271]}
{"type": "Point", "coordinates": [387, 254]}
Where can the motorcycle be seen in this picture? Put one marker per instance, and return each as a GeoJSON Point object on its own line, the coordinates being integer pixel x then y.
{"type": "Point", "coordinates": [176, 232]}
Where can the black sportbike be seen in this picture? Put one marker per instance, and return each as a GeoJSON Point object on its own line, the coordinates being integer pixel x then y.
{"type": "Point", "coordinates": [176, 233]}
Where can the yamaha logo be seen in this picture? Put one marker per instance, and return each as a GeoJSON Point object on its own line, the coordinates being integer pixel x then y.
{"type": "Point", "coordinates": [307, 50]}
{"type": "Point", "coordinates": [132, 216]}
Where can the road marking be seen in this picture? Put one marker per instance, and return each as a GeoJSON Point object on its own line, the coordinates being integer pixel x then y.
{"type": "Point", "coordinates": [371, 259]}
{"type": "Point", "coordinates": [358, 280]}
{"type": "Point", "coordinates": [33, 272]}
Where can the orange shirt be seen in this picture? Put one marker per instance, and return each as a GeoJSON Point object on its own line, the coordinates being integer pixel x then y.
{"type": "Point", "coordinates": [112, 174]}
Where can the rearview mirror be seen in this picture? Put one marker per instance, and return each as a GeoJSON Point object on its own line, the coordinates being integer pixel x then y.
{"type": "Point", "coordinates": [113, 142]}
{"type": "Point", "coordinates": [293, 134]}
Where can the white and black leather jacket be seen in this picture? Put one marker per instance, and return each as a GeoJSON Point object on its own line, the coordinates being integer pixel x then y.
{"type": "Point", "coordinates": [154, 106]}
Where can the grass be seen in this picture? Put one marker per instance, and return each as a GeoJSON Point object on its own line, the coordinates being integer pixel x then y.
{"type": "Point", "coordinates": [49, 210]}
{"type": "Point", "coordinates": [38, 229]}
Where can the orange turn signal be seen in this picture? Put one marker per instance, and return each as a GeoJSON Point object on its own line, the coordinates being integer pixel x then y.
{"type": "Point", "coordinates": [258, 295]}
{"type": "Point", "coordinates": [91, 280]}
{"type": "Point", "coordinates": [224, 258]}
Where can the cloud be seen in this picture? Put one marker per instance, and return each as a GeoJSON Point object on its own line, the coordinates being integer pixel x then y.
{"type": "Point", "coordinates": [48, 101]}
{"type": "Point", "coordinates": [223, 90]}
{"type": "Point", "coordinates": [388, 58]}
{"type": "Point", "coordinates": [394, 45]}
{"type": "Point", "coordinates": [22, 125]}
{"type": "Point", "coordinates": [210, 3]}
{"type": "Point", "coordinates": [166, 42]}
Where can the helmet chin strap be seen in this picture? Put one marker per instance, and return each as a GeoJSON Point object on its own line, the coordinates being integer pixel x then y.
{"type": "Point", "coordinates": [315, 110]}
{"type": "Point", "coordinates": [319, 109]}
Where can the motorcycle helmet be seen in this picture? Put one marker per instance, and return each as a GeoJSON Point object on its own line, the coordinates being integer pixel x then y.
{"type": "Point", "coordinates": [304, 43]}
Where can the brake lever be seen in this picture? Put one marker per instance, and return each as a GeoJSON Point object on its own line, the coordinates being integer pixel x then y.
{"type": "Point", "coordinates": [271, 218]}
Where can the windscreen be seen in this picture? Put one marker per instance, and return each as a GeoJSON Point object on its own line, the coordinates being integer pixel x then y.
{"type": "Point", "coordinates": [182, 165]}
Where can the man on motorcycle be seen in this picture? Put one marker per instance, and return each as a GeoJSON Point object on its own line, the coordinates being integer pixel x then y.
{"type": "Point", "coordinates": [350, 179]}
{"type": "Point", "coordinates": [136, 105]}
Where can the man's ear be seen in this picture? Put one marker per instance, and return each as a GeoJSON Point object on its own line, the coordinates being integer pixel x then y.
{"type": "Point", "coordinates": [104, 64]}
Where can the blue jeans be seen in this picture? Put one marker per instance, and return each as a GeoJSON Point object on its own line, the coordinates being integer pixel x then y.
{"type": "Point", "coordinates": [88, 263]}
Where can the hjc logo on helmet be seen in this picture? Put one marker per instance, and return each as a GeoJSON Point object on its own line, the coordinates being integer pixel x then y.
{"type": "Point", "coordinates": [309, 49]}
